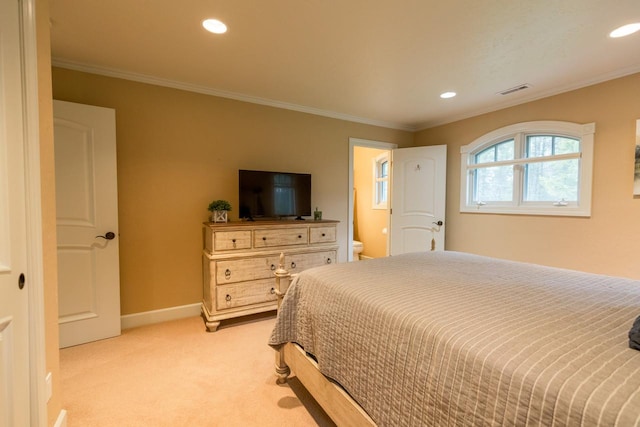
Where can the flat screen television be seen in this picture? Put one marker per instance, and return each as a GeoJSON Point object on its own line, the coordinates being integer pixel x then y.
{"type": "Point", "coordinates": [268, 195]}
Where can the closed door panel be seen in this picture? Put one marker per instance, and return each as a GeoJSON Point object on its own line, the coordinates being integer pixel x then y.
{"type": "Point", "coordinates": [77, 296]}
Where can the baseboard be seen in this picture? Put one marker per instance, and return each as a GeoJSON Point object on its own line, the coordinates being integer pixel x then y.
{"type": "Point", "coordinates": [62, 419]}
{"type": "Point", "coordinates": [156, 316]}
{"type": "Point", "coordinates": [364, 257]}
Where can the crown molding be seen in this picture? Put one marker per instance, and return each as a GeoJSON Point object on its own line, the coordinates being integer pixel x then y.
{"type": "Point", "coordinates": [157, 81]}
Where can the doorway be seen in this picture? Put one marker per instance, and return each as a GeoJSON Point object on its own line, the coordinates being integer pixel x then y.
{"type": "Point", "coordinates": [368, 222]}
{"type": "Point", "coordinates": [417, 196]}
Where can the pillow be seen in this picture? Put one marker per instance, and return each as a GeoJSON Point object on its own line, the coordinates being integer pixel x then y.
{"type": "Point", "coordinates": [634, 335]}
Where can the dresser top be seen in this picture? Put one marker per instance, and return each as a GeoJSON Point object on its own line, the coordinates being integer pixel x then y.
{"type": "Point", "coordinates": [270, 223]}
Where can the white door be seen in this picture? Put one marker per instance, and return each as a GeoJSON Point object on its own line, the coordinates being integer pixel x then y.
{"type": "Point", "coordinates": [14, 316]}
{"type": "Point", "coordinates": [87, 223]}
{"type": "Point", "coordinates": [418, 193]}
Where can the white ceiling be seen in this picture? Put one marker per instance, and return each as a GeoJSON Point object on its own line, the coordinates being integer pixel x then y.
{"type": "Point", "coordinates": [383, 62]}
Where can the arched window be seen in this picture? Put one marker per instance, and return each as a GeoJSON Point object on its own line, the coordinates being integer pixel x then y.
{"type": "Point", "coordinates": [535, 168]}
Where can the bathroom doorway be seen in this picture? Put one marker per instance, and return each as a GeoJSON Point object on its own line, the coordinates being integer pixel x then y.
{"type": "Point", "coordinates": [368, 214]}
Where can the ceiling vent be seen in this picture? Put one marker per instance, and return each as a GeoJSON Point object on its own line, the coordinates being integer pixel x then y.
{"type": "Point", "coordinates": [515, 89]}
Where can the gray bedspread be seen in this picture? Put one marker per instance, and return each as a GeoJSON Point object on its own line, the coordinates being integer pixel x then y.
{"type": "Point", "coordinates": [452, 339]}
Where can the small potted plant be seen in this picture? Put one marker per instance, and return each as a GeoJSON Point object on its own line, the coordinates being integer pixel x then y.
{"type": "Point", "coordinates": [219, 209]}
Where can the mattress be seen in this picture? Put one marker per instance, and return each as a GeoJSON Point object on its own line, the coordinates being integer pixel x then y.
{"type": "Point", "coordinates": [447, 338]}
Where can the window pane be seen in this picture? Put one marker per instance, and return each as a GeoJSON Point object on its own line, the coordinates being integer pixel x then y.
{"type": "Point", "coordinates": [549, 145]}
{"type": "Point", "coordinates": [505, 150]}
{"type": "Point", "coordinates": [383, 192]}
{"type": "Point", "coordinates": [566, 145]}
{"type": "Point", "coordinates": [380, 182]}
{"type": "Point", "coordinates": [486, 155]}
{"type": "Point", "coordinates": [500, 151]}
{"type": "Point", "coordinates": [552, 181]}
{"type": "Point", "coordinates": [384, 169]}
{"type": "Point", "coordinates": [493, 184]}
{"type": "Point", "coordinates": [539, 146]}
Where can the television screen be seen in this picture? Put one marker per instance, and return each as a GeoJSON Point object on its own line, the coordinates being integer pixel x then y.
{"type": "Point", "coordinates": [266, 194]}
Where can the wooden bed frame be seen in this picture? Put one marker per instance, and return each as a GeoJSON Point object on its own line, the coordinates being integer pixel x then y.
{"type": "Point", "coordinates": [291, 358]}
{"type": "Point", "coordinates": [547, 368]}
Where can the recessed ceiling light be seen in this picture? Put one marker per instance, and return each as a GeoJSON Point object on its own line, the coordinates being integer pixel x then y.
{"type": "Point", "coordinates": [625, 30]}
{"type": "Point", "coordinates": [214, 26]}
{"type": "Point", "coordinates": [446, 95]}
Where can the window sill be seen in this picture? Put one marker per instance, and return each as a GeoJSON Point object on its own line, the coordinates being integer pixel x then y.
{"type": "Point", "coordinates": [559, 211]}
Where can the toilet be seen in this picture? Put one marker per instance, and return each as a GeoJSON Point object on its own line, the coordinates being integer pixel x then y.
{"type": "Point", "coordinates": [357, 249]}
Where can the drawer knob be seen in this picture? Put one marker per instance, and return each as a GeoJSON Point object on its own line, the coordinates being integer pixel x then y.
{"type": "Point", "coordinates": [323, 234]}
{"type": "Point", "coordinates": [299, 236]}
{"type": "Point", "coordinates": [328, 260]}
{"type": "Point", "coordinates": [264, 238]}
{"type": "Point", "coordinates": [293, 265]}
{"type": "Point", "coordinates": [228, 298]}
{"type": "Point", "coordinates": [227, 274]}
{"type": "Point", "coordinates": [272, 291]}
{"type": "Point", "coordinates": [273, 267]}
{"type": "Point", "coordinates": [234, 242]}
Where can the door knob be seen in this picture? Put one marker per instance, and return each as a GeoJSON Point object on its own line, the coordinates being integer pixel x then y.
{"type": "Point", "coordinates": [110, 235]}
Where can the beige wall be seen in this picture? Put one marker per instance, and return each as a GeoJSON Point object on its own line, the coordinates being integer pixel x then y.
{"type": "Point", "coordinates": [48, 201]}
{"type": "Point", "coordinates": [368, 222]}
{"type": "Point", "coordinates": [178, 150]}
{"type": "Point", "coordinates": [609, 241]}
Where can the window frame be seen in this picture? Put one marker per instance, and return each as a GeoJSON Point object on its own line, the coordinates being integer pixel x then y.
{"type": "Point", "coordinates": [378, 180]}
{"type": "Point", "coordinates": [519, 132]}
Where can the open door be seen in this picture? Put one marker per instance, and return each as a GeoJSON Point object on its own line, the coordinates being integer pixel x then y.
{"type": "Point", "coordinates": [418, 196]}
{"type": "Point", "coordinates": [87, 223]}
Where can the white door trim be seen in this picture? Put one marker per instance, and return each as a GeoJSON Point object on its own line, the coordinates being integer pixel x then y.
{"type": "Point", "coordinates": [357, 142]}
{"type": "Point", "coordinates": [34, 274]}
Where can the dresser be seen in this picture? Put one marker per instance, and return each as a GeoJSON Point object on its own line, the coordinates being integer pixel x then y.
{"type": "Point", "coordinates": [239, 260]}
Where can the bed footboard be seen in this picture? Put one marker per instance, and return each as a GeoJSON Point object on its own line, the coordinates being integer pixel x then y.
{"type": "Point", "coordinates": [283, 279]}
{"type": "Point", "coordinates": [336, 402]}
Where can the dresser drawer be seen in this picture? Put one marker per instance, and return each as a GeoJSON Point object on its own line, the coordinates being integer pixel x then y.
{"type": "Point", "coordinates": [231, 240]}
{"type": "Point", "coordinates": [322, 234]}
{"type": "Point", "coordinates": [243, 294]}
{"type": "Point", "coordinates": [295, 263]}
{"type": "Point", "coordinates": [315, 259]}
{"type": "Point", "coordinates": [280, 237]}
{"type": "Point", "coordinates": [240, 270]}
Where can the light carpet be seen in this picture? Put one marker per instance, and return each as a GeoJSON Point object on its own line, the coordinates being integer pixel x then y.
{"type": "Point", "coordinates": [177, 374]}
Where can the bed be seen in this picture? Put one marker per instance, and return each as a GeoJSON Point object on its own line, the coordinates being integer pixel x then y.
{"type": "Point", "coordinates": [448, 338]}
